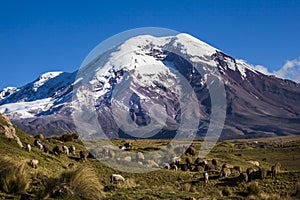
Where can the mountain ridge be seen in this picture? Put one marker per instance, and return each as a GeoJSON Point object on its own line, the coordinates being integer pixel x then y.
{"type": "Point", "coordinates": [258, 105]}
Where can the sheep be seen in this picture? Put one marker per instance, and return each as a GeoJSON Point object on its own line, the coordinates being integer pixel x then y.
{"type": "Point", "coordinates": [111, 153]}
{"type": "Point", "coordinates": [206, 177]}
{"type": "Point", "coordinates": [83, 154]}
{"type": "Point", "coordinates": [250, 172]}
{"type": "Point", "coordinates": [166, 166]}
{"type": "Point", "coordinates": [209, 167]}
{"type": "Point", "coordinates": [140, 156]}
{"type": "Point", "coordinates": [262, 173]}
{"type": "Point", "coordinates": [36, 142]}
{"type": "Point", "coordinates": [127, 158]}
{"type": "Point", "coordinates": [116, 178]}
{"type": "Point", "coordinates": [46, 148]}
{"type": "Point", "coordinates": [238, 169]}
{"type": "Point", "coordinates": [33, 163]}
{"type": "Point", "coordinates": [72, 149]}
{"type": "Point", "coordinates": [214, 162]}
{"type": "Point", "coordinates": [189, 162]}
{"type": "Point", "coordinates": [65, 150]}
{"type": "Point", "coordinates": [128, 145]}
{"type": "Point", "coordinates": [71, 165]}
{"type": "Point", "coordinates": [173, 167]}
{"type": "Point", "coordinates": [243, 177]}
{"type": "Point", "coordinates": [176, 160]}
{"type": "Point", "coordinates": [199, 168]}
{"type": "Point", "coordinates": [254, 162]}
{"type": "Point", "coordinates": [191, 151]}
{"type": "Point", "coordinates": [225, 172]}
{"type": "Point", "coordinates": [225, 165]}
{"type": "Point", "coordinates": [201, 162]}
{"type": "Point", "coordinates": [184, 167]}
{"type": "Point", "coordinates": [28, 147]}
{"type": "Point", "coordinates": [57, 150]}
{"type": "Point", "coordinates": [275, 170]}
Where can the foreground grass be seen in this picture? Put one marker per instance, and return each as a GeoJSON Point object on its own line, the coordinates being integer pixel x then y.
{"type": "Point", "coordinates": [90, 179]}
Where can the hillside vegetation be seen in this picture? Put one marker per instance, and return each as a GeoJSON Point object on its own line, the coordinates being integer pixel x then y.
{"type": "Point", "coordinates": [69, 177]}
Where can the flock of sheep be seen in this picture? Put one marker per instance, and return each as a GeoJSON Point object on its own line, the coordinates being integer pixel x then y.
{"type": "Point", "coordinates": [198, 165]}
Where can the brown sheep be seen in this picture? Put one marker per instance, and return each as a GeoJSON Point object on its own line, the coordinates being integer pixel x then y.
{"type": "Point", "coordinates": [214, 162]}
{"type": "Point", "coordinates": [225, 172]}
{"type": "Point", "coordinates": [83, 154]}
{"type": "Point", "coordinates": [209, 167]}
{"type": "Point", "coordinates": [191, 151]}
{"type": "Point", "coordinates": [275, 170]}
{"type": "Point", "coordinates": [238, 169]}
{"type": "Point", "coordinates": [140, 156]}
{"type": "Point", "coordinates": [184, 167]}
{"type": "Point", "coordinates": [243, 177]}
{"type": "Point", "coordinates": [201, 162]}
{"type": "Point", "coordinates": [189, 162]}
{"type": "Point", "coordinates": [57, 150]}
{"type": "Point", "coordinates": [72, 149]}
{"type": "Point", "coordinates": [199, 168]}
{"type": "Point", "coordinates": [225, 165]}
{"type": "Point", "coordinates": [46, 148]}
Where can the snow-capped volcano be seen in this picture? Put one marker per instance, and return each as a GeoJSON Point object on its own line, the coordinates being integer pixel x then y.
{"type": "Point", "coordinates": [143, 79]}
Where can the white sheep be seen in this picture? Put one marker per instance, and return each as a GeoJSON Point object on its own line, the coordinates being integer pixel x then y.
{"type": "Point", "coordinates": [116, 178]}
{"type": "Point", "coordinates": [34, 163]}
{"type": "Point", "coordinates": [206, 177]}
{"type": "Point", "coordinates": [28, 147]}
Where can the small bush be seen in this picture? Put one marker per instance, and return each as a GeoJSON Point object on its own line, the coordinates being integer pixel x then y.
{"type": "Point", "coordinates": [68, 137]}
{"type": "Point", "coordinates": [253, 188]}
{"type": "Point", "coordinates": [13, 179]}
{"type": "Point", "coordinates": [226, 191]}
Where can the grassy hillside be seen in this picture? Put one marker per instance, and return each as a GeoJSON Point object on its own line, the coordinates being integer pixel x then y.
{"type": "Point", "coordinates": [90, 179]}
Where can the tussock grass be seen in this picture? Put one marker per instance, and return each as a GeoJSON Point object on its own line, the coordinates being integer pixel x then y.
{"type": "Point", "coordinates": [13, 178]}
{"type": "Point", "coordinates": [81, 183]}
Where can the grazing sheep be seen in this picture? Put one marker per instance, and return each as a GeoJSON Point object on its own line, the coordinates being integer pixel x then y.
{"type": "Point", "coordinates": [128, 145]}
{"type": "Point", "coordinates": [191, 151]}
{"type": "Point", "coordinates": [65, 150]}
{"type": "Point", "coordinates": [209, 167]}
{"type": "Point", "coordinates": [243, 177]}
{"type": "Point", "coordinates": [262, 173]}
{"type": "Point", "coordinates": [28, 147]}
{"type": "Point", "coordinates": [166, 166]}
{"type": "Point", "coordinates": [184, 167]}
{"type": "Point", "coordinates": [206, 177]}
{"type": "Point", "coordinates": [116, 178]}
{"type": "Point", "coordinates": [33, 163]}
{"type": "Point", "coordinates": [46, 148]}
{"type": "Point", "coordinates": [275, 170]}
{"type": "Point", "coordinates": [201, 162]}
{"type": "Point", "coordinates": [189, 162]}
{"type": "Point", "coordinates": [199, 168]}
{"type": "Point", "coordinates": [225, 172]}
{"type": "Point", "coordinates": [72, 149]}
{"type": "Point", "coordinates": [173, 166]}
{"type": "Point", "coordinates": [214, 162]}
{"type": "Point", "coordinates": [176, 160]}
{"type": "Point", "coordinates": [36, 142]}
{"type": "Point", "coordinates": [238, 169]}
{"type": "Point", "coordinates": [225, 165]}
{"type": "Point", "coordinates": [57, 150]}
{"type": "Point", "coordinates": [140, 156]}
{"type": "Point", "coordinates": [83, 154]}
{"type": "Point", "coordinates": [250, 172]}
{"type": "Point", "coordinates": [254, 162]}
{"type": "Point", "coordinates": [71, 165]}
{"type": "Point", "coordinates": [278, 165]}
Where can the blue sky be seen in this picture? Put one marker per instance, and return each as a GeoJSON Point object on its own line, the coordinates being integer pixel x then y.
{"type": "Point", "coordinates": [41, 36]}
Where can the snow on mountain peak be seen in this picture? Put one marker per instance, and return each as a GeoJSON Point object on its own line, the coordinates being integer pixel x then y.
{"type": "Point", "coordinates": [6, 92]}
{"type": "Point", "coordinates": [44, 78]}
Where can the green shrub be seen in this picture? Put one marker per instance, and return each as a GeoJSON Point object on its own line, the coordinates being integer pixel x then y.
{"type": "Point", "coordinates": [253, 188]}
{"type": "Point", "coordinates": [13, 179]}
